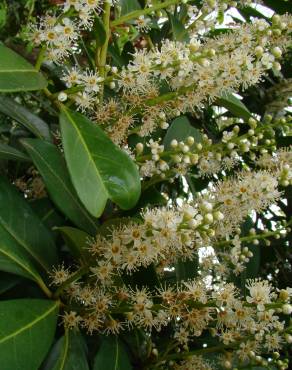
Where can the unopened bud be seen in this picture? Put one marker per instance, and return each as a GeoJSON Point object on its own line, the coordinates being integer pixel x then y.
{"type": "Point", "coordinates": [287, 309]}
{"type": "Point", "coordinates": [62, 97]}
{"type": "Point", "coordinates": [139, 148]}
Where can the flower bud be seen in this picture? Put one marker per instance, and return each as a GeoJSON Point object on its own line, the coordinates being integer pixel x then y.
{"type": "Point", "coordinates": [190, 140]}
{"type": "Point", "coordinates": [287, 309]}
{"type": "Point", "coordinates": [288, 338]}
{"type": "Point", "coordinates": [218, 216]}
{"type": "Point", "coordinates": [194, 158]}
{"type": "Point", "coordinates": [62, 97]}
{"type": "Point", "coordinates": [206, 206]}
{"type": "Point", "coordinates": [139, 148]}
{"type": "Point", "coordinates": [174, 143]}
{"type": "Point", "coordinates": [208, 218]}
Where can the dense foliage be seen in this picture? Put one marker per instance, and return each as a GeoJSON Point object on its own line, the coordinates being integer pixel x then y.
{"type": "Point", "coordinates": [145, 184]}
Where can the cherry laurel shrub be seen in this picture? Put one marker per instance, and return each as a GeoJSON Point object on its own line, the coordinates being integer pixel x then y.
{"type": "Point", "coordinates": [145, 185]}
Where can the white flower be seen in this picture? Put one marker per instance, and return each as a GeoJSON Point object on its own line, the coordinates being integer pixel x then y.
{"type": "Point", "coordinates": [260, 293]}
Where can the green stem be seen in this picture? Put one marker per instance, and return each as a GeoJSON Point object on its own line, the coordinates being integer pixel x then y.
{"type": "Point", "coordinates": [44, 288]}
{"type": "Point", "coordinates": [40, 58]}
{"type": "Point", "coordinates": [254, 236]}
{"type": "Point", "coordinates": [137, 13]}
{"type": "Point", "coordinates": [101, 54]}
{"type": "Point", "coordinates": [180, 356]}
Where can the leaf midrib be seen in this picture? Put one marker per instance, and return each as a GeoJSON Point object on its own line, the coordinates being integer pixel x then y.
{"type": "Point", "coordinates": [86, 149]}
{"type": "Point", "coordinates": [17, 261]}
{"type": "Point", "coordinates": [21, 242]}
{"type": "Point", "coordinates": [31, 324]}
{"type": "Point", "coordinates": [117, 354]}
{"type": "Point", "coordinates": [63, 184]}
{"type": "Point", "coordinates": [18, 70]}
{"type": "Point", "coordinates": [65, 352]}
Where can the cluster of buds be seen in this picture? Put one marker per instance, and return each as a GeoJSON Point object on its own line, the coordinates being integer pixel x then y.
{"type": "Point", "coordinates": [211, 158]}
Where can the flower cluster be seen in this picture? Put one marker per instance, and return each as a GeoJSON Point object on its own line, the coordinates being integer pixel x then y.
{"type": "Point", "coordinates": [237, 197]}
{"type": "Point", "coordinates": [245, 170]}
{"type": "Point", "coordinates": [89, 84]}
{"type": "Point", "coordinates": [211, 158]}
{"type": "Point", "coordinates": [197, 71]}
{"type": "Point", "coordinates": [241, 325]}
{"type": "Point", "coordinates": [279, 161]}
{"type": "Point", "coordinates": [58, 34]}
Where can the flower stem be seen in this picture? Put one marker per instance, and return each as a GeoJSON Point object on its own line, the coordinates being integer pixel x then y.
{"type": "Point", "coordinates": [40, 58]}
{"type": "Point", "coordinates": [101, 54]}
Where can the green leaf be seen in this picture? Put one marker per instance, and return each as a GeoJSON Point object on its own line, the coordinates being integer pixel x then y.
{"type": "Point", "coordinates": [30, 121]}
{"type": "Point", "coordinates": [186, 270]}
{"type": "Point", "coordinates": [128, 6]}
{"type": "Point", "coordinates": [76, 240]}
{"type": "Point", "coordinates": [24, 242]}
{"type": "Point", "coordinates": [69, 353]}
{"type": "Point", "coordinates": [178, 29]}
{"type": "Point", "coordinates": [51, 165]}
{"type": "Point", "coordinates": [9, 153]}
{"type": "Point", "coordinates": [27, 328]}
{"type": "Point", "coordinates": [99, 32]}
{"type": "Point", "coordinates": [47, 212]}
{"type": "Point", "coordinates": [247, 12]}
{"type": "Point", "coordinates": [3, 14]}
{"type": "Point", "coordinates": [16, 74]}
{"type": "Point", "coordinates": [234, 105]}
{"type": "Point", "coordinates": [280, 6]}
{"type": "Point", "coordinates": [111, 356]}
{"type": "Point", "coordinates": [152, 197]}
{"type": "Point", "coordinates": [180, 129]}
{"type": "Point", "coordinates": [8, 281]}
{"type": "Point", "coordinates": [99, 169]}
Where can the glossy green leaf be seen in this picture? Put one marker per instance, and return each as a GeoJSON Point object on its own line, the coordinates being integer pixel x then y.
{"type": "Point", "coordinates": [16, 74]}
{"type": "Point", "coordinates": [280, 6]}
{"type": "Point", "coordinates": [128, 6]}
{"type": "Point", "coordinates": [152, 197]}
{"type": "Point", "coordinates": [9, 153]}
{"type": "Point", "coordinates": [99, 169]}
{"type": "Point", "coordinates": [20, 114]}
{"type": "Point", "coordinates": [248, 12]}
{"type": "Point", "coordinates": [27, 328]}
{"type": "Point", "coordinates": [76, 240]}
{"type": "Point", "coordinates": [234, 105]}
{"type": "Point", "coordinates": [186, 270]}
{"type": "Point", "coordinates": [111, 356]}
{"type": "Point", "coordinates": [180, 129]}
{"type": "Point", "coordinates": [178, 29]}
{"type": "Point", "coordinates": [24, 241]}
{"type": "Point", "coordinates": [8, 281]}
{"type": "Point", "coordinates": [15, 260]}
{"type": "Point", "coordinates": [99, 32]}
{"type": "Point", "coordinates": [51, 165]}
{"type": "Point", "coordinates": [69, 353]}
{"type": "Point", "coordinates": [47, 213]}
{"type": "Point", "coordinates": [3, 14]}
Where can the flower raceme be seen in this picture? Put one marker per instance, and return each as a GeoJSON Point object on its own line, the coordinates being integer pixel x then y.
{"type": "Point", "coordinates": [135, 97]}
{"type": "Point", "coordinates": [161, 238]}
